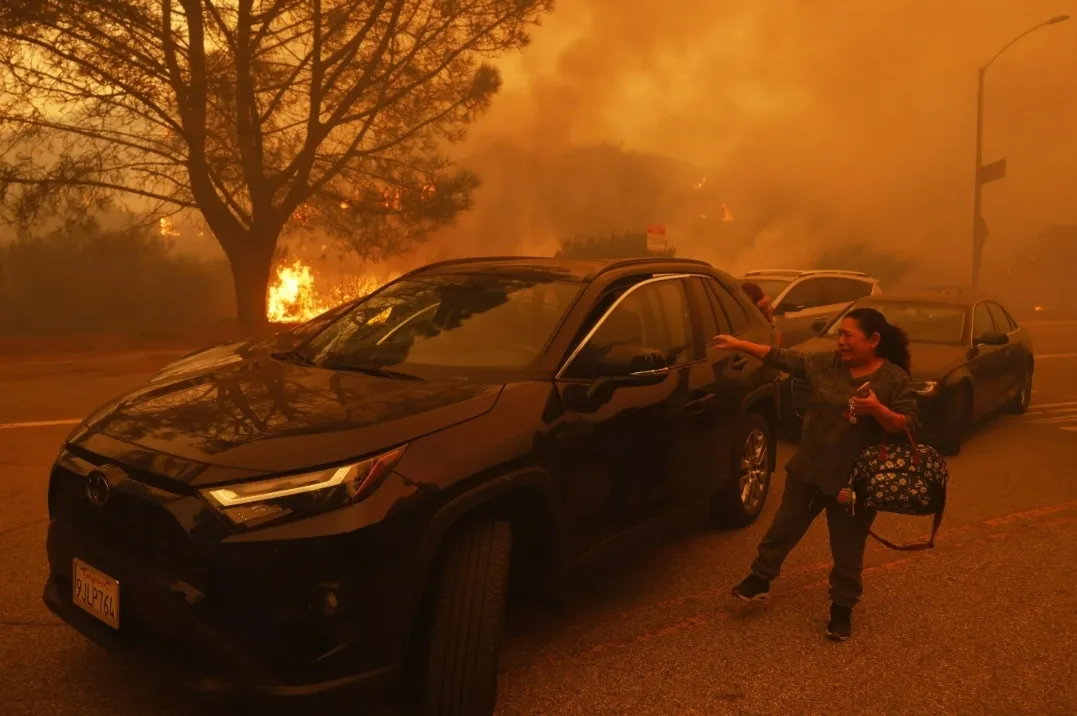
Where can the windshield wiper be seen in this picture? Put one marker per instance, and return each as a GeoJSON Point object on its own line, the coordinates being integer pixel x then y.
{"type": "Point", "coordinates": [373, 370]}
{"type": "Point", "coordinates": [294, 356]}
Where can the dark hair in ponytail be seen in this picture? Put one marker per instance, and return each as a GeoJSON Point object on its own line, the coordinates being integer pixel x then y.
{"type": "Point", "coordinates": [754, 292]}
{"type": "Point", "coordinates": [893, 343]}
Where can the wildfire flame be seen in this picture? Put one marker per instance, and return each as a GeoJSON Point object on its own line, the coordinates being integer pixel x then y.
{"type": "Point", "coordinates": [294, 298]}
{"type": "Point", "coordinates": [166, 227]}
{"type": "Point", "coordinates": [727, 215]}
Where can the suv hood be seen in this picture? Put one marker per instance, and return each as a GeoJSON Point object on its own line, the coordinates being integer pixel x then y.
{"type": "Point", "coordinates": [264, 415]}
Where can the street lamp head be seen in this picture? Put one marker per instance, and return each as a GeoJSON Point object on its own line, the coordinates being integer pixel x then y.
{"type": "Point", "coordinates": [1057, 19]}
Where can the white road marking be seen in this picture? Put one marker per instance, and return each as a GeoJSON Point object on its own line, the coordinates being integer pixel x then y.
{"type": "Point", "coordinates": [1070, 418]}
{"type": "Point", "coordinates": [1070, 429]}
{"type": "Point", "coordinates": [1039, 406]}
{"type": "Point", "coordinates": [1048, 356]}
{"type": "Point", "coordinates": [1048, 323]}
{"type": "Point", "coordinates": [41, 424]}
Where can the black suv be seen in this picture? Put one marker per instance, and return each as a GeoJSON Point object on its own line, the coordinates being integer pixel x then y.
{"type": "Point", "coordinates": [318, 511]}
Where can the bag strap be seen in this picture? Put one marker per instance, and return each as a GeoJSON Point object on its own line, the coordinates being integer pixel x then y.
{"type": "Point", "coordinates": [916, 546]}
{"type": "Point", "coordinates": [883, 453]}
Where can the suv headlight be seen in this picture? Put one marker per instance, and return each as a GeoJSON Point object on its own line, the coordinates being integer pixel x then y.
{"type": "Point", "coordinates": [925, 387]}
{"type": "Point", "coordinates": [251, 504]}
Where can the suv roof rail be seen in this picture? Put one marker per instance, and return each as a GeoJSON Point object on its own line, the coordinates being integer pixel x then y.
{"type": "Point", "coordinates": [842, 272]}
{"type": "Point", "coordinates": [617, 263]}
{"type": "Point", "coordinates": [637, 260]}
{"type": "Point", "coordinates": [472, 260]}
{"type": "Point", "coordinates": [807, 272]}
{"type": "Point", "coordinates": [775, 272]}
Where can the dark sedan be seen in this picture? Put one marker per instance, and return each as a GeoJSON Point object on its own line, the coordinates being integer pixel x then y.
{"type": "Point", "coordinates": [970, 359]}
{"type": "Point", "coordinates": [325, 509]}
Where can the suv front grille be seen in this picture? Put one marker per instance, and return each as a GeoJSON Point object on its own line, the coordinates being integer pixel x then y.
{"type": "Point", "coordinates": [136, 527]}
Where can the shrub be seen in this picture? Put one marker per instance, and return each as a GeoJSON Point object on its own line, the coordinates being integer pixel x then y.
{"type": "Point", "coordinates": [615, 246]}
{"type": "Point", "coordinates": [90, 280]}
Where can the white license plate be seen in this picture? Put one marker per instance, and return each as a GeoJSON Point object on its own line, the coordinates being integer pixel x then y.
{"type": "Point", "coordinates": [96, 592]}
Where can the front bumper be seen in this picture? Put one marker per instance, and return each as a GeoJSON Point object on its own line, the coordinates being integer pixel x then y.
{"type": "Point", "coordinates": [164, 633]}
{"type": "Point", "coordinates": [224, 616]}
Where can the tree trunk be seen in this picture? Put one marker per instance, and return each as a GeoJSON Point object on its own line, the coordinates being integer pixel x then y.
{"type": "Point", "coordinates": [251, 266]}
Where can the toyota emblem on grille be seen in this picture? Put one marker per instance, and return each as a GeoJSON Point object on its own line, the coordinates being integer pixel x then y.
{"type": "Point", "coordinates": [97, 488]}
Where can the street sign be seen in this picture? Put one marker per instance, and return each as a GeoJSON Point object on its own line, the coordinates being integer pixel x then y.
{"type": "Point", "coordinates": [993, 171]}
{"type": "Point", "coordinates": [656, 239]}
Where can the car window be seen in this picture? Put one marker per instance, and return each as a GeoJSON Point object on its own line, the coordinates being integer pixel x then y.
{"type": "Point", "coordinates": [981, 320]}
{"type": "Point", "coordinates": [806, 294]}
{"type": "Point", "coordinates": [998, 317]}
{"type": "Point", "coordinates": [654, 316]}
{"type": "Point", "coordinates": [1011, 319]}
{"type": "Point", "coordinates": [736, 314]}
{"type": "Point", "coordinates": [709, 323]}
{"type": "Point", "coordinates": [923, 322]}
{"type": "Point", "coordinates": [843, 290]}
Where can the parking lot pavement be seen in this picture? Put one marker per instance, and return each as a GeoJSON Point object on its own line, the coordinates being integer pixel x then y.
{"type": "Point", "coordinates": [981, 625]}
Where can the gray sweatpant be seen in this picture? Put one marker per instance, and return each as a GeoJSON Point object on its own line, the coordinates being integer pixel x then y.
{"type": "Point", "coordinates": [801, 504]}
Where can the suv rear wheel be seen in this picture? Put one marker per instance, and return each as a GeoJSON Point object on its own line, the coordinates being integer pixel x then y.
{"type": "Point", "coordinates": [468, 619]}
{"type": "Point", "coordinates": [741, 502]}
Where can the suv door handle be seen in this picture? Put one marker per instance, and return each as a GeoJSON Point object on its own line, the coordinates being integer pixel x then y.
{"type": "Point", "coordinates": [700, 404]}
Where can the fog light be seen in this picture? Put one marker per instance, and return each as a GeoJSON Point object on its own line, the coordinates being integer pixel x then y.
{"type": "Point", "coordinates": [327, 600]}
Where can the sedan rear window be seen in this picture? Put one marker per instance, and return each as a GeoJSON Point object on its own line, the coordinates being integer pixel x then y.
{"type": "Point", "coordinates": [922, 322]}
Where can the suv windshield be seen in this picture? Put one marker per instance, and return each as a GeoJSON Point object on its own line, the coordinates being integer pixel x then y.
{"type": "Point", "coordinates": [922, 322]}
{"type": "Point", "coordinates": [469, 321]}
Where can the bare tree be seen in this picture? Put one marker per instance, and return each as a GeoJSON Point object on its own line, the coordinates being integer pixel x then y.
{"type": "Point", "coordinates": [254, 112]}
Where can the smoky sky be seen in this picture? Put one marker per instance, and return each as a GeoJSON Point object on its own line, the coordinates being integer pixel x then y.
{"type": "Point", "coordinates": [823, 121]}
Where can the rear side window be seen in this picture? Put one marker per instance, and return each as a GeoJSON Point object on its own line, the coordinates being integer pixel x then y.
{"type": "Point", "coordinates": [843, 290]}
{"type": "Point", "coordinates": [999, 317]}
{"type": "Point", "coordinates": [806, 294]}
{"type": "Point", "coordinates": [981, 320]}
{"type": "Point", "coordinates": [734, 311]}
{"type": "Point", "coordinates": [1013, 322]}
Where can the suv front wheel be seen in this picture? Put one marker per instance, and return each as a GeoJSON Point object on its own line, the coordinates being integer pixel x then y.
{"type": "Point", "coordinates": [468, 619]}
{"type": "Point", "coordinates": [752, 464]}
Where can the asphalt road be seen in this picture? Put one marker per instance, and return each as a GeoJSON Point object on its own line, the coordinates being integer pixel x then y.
{"type": "Point", "coordinates": [984, 624]}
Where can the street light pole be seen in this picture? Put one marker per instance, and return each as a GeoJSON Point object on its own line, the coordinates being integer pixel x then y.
{"type": "Point", "coordinates": [979, 226]}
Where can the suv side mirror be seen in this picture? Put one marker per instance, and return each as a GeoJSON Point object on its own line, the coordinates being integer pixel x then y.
{"type": "Point", "coordinates": [633, 365]}
{"type": "Point", "coordinates": [991, 338]}
{"type": "Point", "coordinates": [625, 366]}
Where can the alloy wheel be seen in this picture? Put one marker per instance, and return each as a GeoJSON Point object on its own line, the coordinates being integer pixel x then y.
{"type": "Point", "coordinates": [754, 470]}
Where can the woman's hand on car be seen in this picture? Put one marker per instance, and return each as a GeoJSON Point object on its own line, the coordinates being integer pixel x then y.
{"type": "Point", "coordinates": [726, 343]}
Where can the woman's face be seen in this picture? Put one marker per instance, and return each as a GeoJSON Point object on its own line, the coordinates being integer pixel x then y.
{"type": "Point", "coordinates": [853, 345]}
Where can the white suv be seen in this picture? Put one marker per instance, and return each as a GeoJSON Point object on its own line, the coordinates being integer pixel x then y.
{"type": "Point", "coordinates": [804, 301]}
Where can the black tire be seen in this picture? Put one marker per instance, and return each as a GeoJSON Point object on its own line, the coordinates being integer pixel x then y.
{"type": "Point", "coordinates": [957, 421]}
{"type": "Point", "coordinates": [1019, 405]}
{"type": "Point", "coordinates": [468, 620]}
{"type": "Point", "coordinates": [740, 503]}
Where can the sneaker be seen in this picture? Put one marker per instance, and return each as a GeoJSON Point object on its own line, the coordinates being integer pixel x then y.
{"type": "Point", "coordinates": [840, 627]}
{"type": "Point", "coordinates": [753, 589]}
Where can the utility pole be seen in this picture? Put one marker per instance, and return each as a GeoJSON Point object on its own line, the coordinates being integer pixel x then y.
{"type": "Point", "coordinates": [979, 227]}
{"type": "Point", "coordinates": [995, 170]}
